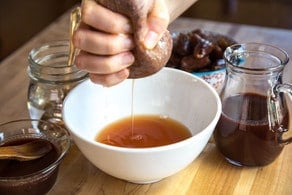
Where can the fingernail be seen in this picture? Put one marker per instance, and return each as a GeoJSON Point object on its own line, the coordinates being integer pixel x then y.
{"type": "Point", "coordinates": [128, 59]}
{"type": "Point", "coordinates": [129, 44]}
{"type": "Point", "coordinates": [78, 62]}
{"type": "Point", "coordinates": [151, 40]}
{"type": "Point", "coordinates": [128, 28]}
{"type": "Point", "coordinates": [123, 74]}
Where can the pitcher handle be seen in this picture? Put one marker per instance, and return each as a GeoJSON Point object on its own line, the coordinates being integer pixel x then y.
{"type": "Point", "coordinates": [275, 111]}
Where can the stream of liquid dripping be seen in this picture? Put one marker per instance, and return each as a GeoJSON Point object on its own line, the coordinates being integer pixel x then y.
{"type": "Point", "coordinates": [132, 107]}
{"type": "Point", "coordinates": [134, 136]}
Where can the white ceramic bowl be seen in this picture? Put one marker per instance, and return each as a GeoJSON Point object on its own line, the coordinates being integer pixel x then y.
{"type": "Point", "coordinates": [170, 92]}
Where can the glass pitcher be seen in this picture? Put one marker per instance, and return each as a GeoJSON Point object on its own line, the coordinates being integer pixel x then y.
{"type": "Point", "coordinates": [255, 105]}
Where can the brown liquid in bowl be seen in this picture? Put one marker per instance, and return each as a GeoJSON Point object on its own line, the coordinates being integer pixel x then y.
{"type": "Point", "coordinates": [143, 131]}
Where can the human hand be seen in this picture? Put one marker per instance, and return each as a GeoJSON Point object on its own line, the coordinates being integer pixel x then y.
{"type": "Point", "coordinates": [105, 40]}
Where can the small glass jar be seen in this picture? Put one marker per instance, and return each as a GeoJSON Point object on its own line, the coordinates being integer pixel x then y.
{"type": "Point", "coordinates": [50, 80]}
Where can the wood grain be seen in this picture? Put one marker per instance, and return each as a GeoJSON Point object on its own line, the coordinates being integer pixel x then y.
{"type": "Point", "coordinates": [208, 174]}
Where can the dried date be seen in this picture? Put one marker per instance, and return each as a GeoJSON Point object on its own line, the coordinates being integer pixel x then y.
{"type": "Point", "coordinates": [198, 50]}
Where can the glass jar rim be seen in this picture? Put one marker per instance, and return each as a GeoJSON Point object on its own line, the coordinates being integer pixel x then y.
{"type": "Point", "coordinates": [274, 52]}
{"type": "Point", "coordinates": [48, 63]}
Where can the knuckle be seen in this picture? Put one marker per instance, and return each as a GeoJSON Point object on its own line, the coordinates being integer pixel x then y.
{"type": "Point", "coordinates": [86, 12]}
{"type": "Point", "coordinates": [110, 49]}
{"type": "Point", "coordinates": [76, 38]}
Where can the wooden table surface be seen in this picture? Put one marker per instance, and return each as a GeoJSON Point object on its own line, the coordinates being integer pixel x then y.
{"type": "Point", "coordinates": [208, 174]}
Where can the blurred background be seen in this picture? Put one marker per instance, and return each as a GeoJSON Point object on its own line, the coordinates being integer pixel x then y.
{"type": "Point", "coordinates": [21, 20]}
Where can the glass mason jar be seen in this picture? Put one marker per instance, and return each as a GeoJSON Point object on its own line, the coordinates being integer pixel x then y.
{"type": "Point", "coordinates": [50, 80]}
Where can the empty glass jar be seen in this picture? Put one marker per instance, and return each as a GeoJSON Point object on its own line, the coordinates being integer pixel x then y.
{"type": "Point", "coordinates": [50, 80]}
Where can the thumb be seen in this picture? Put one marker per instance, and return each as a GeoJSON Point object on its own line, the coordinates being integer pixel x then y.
{"type": "Point", "coordinates": [157, 23]}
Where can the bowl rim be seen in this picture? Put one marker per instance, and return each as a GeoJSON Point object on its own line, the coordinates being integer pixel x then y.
{"type": "Point", "coordinates": [52, 165]}
{"type": "Point", "coordinates": [157, 148]}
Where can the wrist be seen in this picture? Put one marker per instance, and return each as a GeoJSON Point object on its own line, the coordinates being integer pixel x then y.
{"type": "Point", "coordinates": [177, 7]}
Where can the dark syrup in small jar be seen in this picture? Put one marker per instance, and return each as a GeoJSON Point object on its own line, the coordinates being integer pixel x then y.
{"type": "Point", "coordinates": [14, 171]}
{"type": "Point", "coordinates": [143, 131]}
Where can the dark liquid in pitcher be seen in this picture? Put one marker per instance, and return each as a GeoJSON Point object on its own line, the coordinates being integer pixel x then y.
{"type": "Point", "coordinates": [243, 135]}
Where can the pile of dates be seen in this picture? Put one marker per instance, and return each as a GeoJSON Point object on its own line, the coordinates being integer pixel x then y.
{"type": "Point", "coordinates": [198, 51]}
